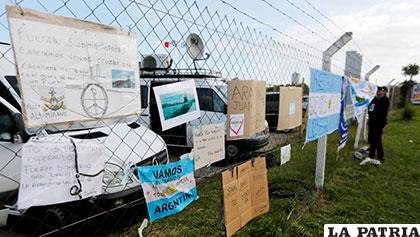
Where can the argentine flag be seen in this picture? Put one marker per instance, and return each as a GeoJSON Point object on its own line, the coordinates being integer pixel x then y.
{"type": "Point", "coordinates": [324, 104]}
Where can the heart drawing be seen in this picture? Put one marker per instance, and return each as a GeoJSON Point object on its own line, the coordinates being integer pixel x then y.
{"type": "Point", "coordinates": [236, 125]}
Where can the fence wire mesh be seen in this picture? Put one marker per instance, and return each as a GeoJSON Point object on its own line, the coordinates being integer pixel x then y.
{"type": "Point", "coordinates": [235, 51]}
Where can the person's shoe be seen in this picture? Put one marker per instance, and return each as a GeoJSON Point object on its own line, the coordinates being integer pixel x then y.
{"type": "Point", "coordinates": [370, 160]}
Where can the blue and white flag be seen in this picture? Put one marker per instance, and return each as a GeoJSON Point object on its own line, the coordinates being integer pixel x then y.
{"type": "Point", "coordinates": [343, 126]}
{"type": "Point", "coordinates": [168, 188]}
{"type": "Point", "coordinates": [362, 93]}
{"type": "Point", "coordinates": [324, 104]}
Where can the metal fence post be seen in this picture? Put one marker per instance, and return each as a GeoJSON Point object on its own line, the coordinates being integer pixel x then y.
{"type": "Point", "coordinates": [322, 142]}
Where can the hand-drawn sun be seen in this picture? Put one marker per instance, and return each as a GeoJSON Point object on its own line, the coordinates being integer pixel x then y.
{"type": "Point", "coordinates": [94, 100]}
{"type": "Point", "coordinates": [329, 104]}
{"type": "Point", "coordinates": [170, 190]}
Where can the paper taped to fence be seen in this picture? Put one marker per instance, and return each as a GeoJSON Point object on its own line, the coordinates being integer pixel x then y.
{"type": "Point", "coordinates": [209, 144]}
{"type": "Point", "coordinates": [48, 171]}
{"type": "Point", "coordinates": [245, 194]}
{"type": "Point", "coordinates": [290, 110]}
{"type": "Point", "coordinates": [324, 104]}
{"type": "Point", "coordinates": [177, 103]}
{"type": "Point", "coordinates": [72, 70]}
{"type": "Point", "coordinates": [285, 154]}
{"type": "Point", "coordinates": [246, 108]}
{"type": "Point", "coordinates": [168, 188]}
{"type": "Point", "coordinates": [362, 93]}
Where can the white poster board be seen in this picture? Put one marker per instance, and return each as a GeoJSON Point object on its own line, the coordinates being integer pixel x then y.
{"type": "Point", "coordinates": [285, 154]}
{"type": "Point", "coordinates": [48, 171]}
{"type": "Point", "coordinates": [177, 103]}
{"type": "Point", "coordinates": [209, 144]}
{"type": "Point", "coordinates": [71, 70]}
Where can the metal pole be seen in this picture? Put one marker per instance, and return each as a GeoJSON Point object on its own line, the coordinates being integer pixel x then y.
{"type": "Point", "coordinates": [322, 141]}
{"type": "Point", "coordinates": [368, 74]}
{"type": "Point", "coordinates": [392, 96]}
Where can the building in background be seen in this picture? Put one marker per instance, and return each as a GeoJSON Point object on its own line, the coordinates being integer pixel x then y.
{"type": "Point", "coordinates": [353, 66]}
{"type": "Point", "coordinates": [295, 78]}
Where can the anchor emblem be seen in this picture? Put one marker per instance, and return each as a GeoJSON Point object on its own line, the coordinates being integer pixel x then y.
{"type": "Point", "coordinates": [53, 103]}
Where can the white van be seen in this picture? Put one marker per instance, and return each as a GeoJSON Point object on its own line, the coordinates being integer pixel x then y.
{"type": "Point", "coordinates": [212, 96]}
{"type": "Point", "coordinates": [127, 146]}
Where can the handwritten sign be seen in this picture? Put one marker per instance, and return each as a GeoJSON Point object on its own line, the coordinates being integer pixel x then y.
{"type": "Point", "coordinates": [246, 108]}
{"type": "Point", "coordinates": [48, 171]}
{"type": "Point", "coordinates": [72, 70]}
{"type": "Point", "coordinates": [245, 194]}
{"type": "Point", "coordinates": [209, 144]}
{"type": "Point", "coordinates": [168, 188]}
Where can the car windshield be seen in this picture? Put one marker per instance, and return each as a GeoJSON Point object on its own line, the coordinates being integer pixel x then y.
{"type": "Point", "coordinates": [222, 90]}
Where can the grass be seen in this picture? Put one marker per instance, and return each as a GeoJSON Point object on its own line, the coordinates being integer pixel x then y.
{"type": "Point", "coordinates": [353, 193]}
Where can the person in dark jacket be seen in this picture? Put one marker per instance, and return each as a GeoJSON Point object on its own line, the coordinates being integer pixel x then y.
{"type": "Point", "coordinates": [378, 112]}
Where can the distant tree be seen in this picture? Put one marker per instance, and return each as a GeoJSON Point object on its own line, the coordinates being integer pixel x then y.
{"type": "Point", "coordinates": [411, 70]}
{"type": "Point", "coordinates": [405, 92]}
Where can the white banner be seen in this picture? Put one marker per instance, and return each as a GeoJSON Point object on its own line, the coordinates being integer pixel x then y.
{"type": "Point", "coordinates": [48, 171]}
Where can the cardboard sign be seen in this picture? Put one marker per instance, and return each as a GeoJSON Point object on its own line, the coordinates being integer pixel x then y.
{"type": "Point", "coordinates": [209, 144]}
{"type": "Point", "coordinates": [71, 70]}
{"type": "Point", "coordinates": [285, 154]}
{"type": "Point", "coordinates": [246, 108]}
{"type": "Point", "coordinates": [245, 194]}
{"type": "Point", "coordinates": [324, 104]}
{"type": "Point", "coordinates": [48, 171]}
{"type": "Point", "coordinates": [168, 188]}
{"type": "Point", "coordinates": [177, 103]}
{"type": "Point", "coordinates": [290, 110]}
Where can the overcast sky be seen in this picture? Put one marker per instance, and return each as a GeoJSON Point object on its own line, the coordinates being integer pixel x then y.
{"type": "Point", "coordinates": [386, 32]}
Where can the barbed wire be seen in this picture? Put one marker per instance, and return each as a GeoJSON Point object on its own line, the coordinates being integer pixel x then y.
{"type": "Point", "coordinates": [354, 41]}
{"type": "Point", "coordinates": [295, 21]}
{"type": "Point", "coordinates": [268, 25]}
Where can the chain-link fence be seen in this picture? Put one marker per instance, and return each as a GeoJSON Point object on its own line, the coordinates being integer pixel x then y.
{"type": "Point", "coordinates": [233, 50]}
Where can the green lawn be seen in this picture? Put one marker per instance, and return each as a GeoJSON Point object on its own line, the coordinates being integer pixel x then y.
{"type": "Point", "coordinates": [389, 193]}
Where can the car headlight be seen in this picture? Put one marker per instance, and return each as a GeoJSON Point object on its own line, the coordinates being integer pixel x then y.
{"type": "Point", "coordinates": [113, 175]}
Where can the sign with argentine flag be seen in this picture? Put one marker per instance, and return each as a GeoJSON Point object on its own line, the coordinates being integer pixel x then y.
{"type": "Point", "coordinates": [168, 188]}
{"type": "Point", "coordinates": [324, 104]}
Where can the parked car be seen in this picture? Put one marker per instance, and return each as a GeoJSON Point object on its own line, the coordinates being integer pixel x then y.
{"type": "Point", "coordinates": [212, 96]}
{"type": "Point", "coordinates": [272, 109]}
{"type": "Point", "coordinates": [127, 146]}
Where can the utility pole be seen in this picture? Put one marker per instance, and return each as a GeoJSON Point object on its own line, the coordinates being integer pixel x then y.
{"type": "Point", "coordinates": [322, 141]}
